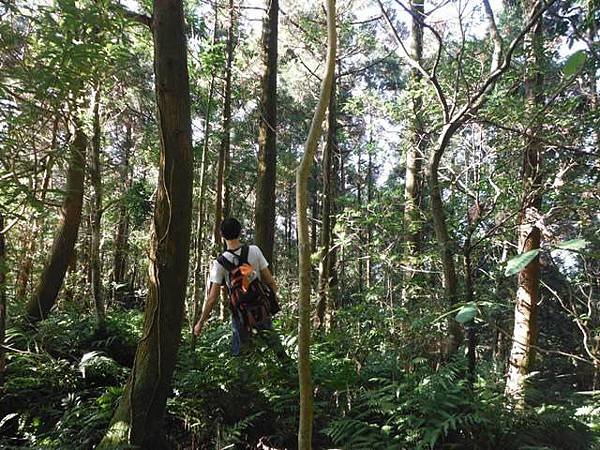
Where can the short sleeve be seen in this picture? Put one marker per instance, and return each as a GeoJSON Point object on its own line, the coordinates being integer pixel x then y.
{"type": "Point", "coordinates": [262, 261]}
{"type": "Point", "coordinates": [217, 273]}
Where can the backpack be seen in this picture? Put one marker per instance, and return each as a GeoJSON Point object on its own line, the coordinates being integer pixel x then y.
{"type": "Point", "coordinates": [251, 302]}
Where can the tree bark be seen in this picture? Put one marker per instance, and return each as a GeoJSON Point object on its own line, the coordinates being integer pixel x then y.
{"type": "Point", "coordinates": [593, 7]}
{"type": "Point", "coordinates": [199, 235]}
{"type": "Point", "coordinates": [122, 234]}
{"type": "Point", "coordinates": [224, 148]}
{"type": "Point", "coordinates": [264, 211]}
{"type": "Point", "coordinates": [528, 280]}
{"type": "Point", "coordinates": [445, 244]}
{"type": "Point", "coordinates": [138, 418]}
{"type": "Point", "coordinates": [414, 153]}
{"type": "Point", "coordinates": [302, 174]}
{"type": "Point", "coordinates": [469, 298]}
{"type": "Point", "coordinates": [3, 270]}
{"type": "Point", "coordinates": [61, 253]}
{"type": "Point", "coordinates": [96, 214]}
{"type": "Point", "coordinates": [360, 243]}
{"type": "Point", "coordinates": [24, 274]}
{"type": "Point", "coordinates": [324, 302]}
{"type": "Point", "coordinates": [369, 262]}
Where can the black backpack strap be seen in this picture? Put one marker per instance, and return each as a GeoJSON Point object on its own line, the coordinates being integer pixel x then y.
{"type": "Point", "coordinates": [244, 254]}
{"type": "Point", "coordinates": [228, 265]}
{"type": "Point", "coordinates": [241, 258]}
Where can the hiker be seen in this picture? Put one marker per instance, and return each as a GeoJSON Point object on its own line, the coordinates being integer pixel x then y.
{"type": "Point", "coordinates": [252, 291]}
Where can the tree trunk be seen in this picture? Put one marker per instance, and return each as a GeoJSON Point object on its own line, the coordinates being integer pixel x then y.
{"type": "Point", "coordinates": [138, 418]}
{"type": "Point", "coordinates": [359, 198]}
{"type": "Point", "coordinates": [224, 149]}
{"type": "Point", "coordinates": [24, 274]}
{"type": "Point", "coordinates": [369, 262]}
{"type": "Point", "coordinates": [199, 235]}
{"type": "Point", "coordinates": [96, 215]}
{"type": "Point", "coordinates": [304, 371]}
{"type": "Point", "coordinates": [593, 8]}
{"type": "Point", "coordinates": [334, 189]}
{"type": "Point", "coordinates": [288, 219]}
{"type": "Point", "coordinates": [61, 253]}
{"type": "Point", "coordinates": [445, 245]}
{"type": "Point", "coordinates": [122, 235]}
{"type": "Point", "coordinates": [469, 298]}
{"type": "Point", "coordinates": [324, 302]}
{"type": "Point", "coordinates": [3, 270]}
{"type": "Point", "coordinates": [528, 280]}
{"type": "Point", "coordinates": [414, 153]}
{"type": "Point", "coordinates": [267, 137]}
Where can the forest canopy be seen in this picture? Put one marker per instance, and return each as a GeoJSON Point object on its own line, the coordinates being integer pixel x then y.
{"type": "Point", "coordinates": [417, 189]}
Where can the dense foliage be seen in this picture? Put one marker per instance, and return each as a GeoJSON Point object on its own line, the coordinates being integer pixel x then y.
{"type": "Point", "coordinates": [386, 368]}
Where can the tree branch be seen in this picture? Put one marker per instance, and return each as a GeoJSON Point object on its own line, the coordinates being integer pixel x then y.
{"type": "Point", "coordinates": [134, 16]}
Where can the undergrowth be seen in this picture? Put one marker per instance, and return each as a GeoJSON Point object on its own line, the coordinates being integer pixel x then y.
{"type": "Point", "coordinates": [372, 391]}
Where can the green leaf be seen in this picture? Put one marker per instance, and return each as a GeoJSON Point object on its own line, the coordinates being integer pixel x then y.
{"type": "Point", "coordinates": [573, 244]}
{"type": "Point", "coordinates": [518, 263]}
{"type": "Point", "coordinates": [574, 64]}
{"type": "Point", "coordinates": [466, 313]}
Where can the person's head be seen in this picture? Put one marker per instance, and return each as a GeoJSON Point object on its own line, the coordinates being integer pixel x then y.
{"type": "Point", "coordinates": [231, 229]}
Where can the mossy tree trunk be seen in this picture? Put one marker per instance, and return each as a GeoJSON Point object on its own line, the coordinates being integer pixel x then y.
{"type": "Point", "coordinates": [138, 418]}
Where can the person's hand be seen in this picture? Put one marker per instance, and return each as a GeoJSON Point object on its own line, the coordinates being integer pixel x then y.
{"type": "Point", "coordinates": [198, 329]}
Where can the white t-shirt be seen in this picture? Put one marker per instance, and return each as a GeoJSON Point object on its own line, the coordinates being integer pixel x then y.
{"type": "Point", "coordinates": [219, 274]}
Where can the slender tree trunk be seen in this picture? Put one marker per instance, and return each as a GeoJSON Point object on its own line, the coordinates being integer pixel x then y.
{"type": "Point", "coordinates": [324, 303]}
{"type": "Point", "coordinates": [342, 191]}
{"type": "Point", "coordinates": [226, 180]}
{"type": "Point", "coordinates": [445, 244]}
{"type": "Point", "coordinates": [199, 247]}
{"type": "Point", "coordinates": [267, 137]}
{"type": "Point", "coordinates": [138, 418]}
{"type": "Point", "coordinates": [288, 219]}
{"type": "Point", "coordinates": [304, 371]}
{"type": "Point", "coordinates": [96, 214]}
{"type": "Point", "coordinates": [593, 8]}
{"type": "Point", "coordinates": [469, 297]}
{"type": "Point", "coordinates": [525, 323]}
{"type": "Point", "coordinates": [24, 274]}
{"type": "Point", "coordinates": [122, 234]}
{"type": "Point", "coordinates": [332, 259]}
{"type": "Point", "coordinates": [61, 253]}
{"type": "Point", "coordinates": [224, 148]}
{"type": "Point", "coordinates": [414, 153]}
{"type": "Point", "coordinates": [3, 270]}
{"type": "Point", "coordinates": [314, 216]}
{"type": "Point", "coordinates": [359, 198]}
{"type": "Point", "coordinates": [369, 262]}
{"type": "Point", "coordinates": [26, 266]}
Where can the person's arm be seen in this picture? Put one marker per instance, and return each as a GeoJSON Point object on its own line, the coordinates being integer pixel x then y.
{"type": "Point", "coordinates": [209, 304]}
{"type": "Point", "coordinates": [267, 277]}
